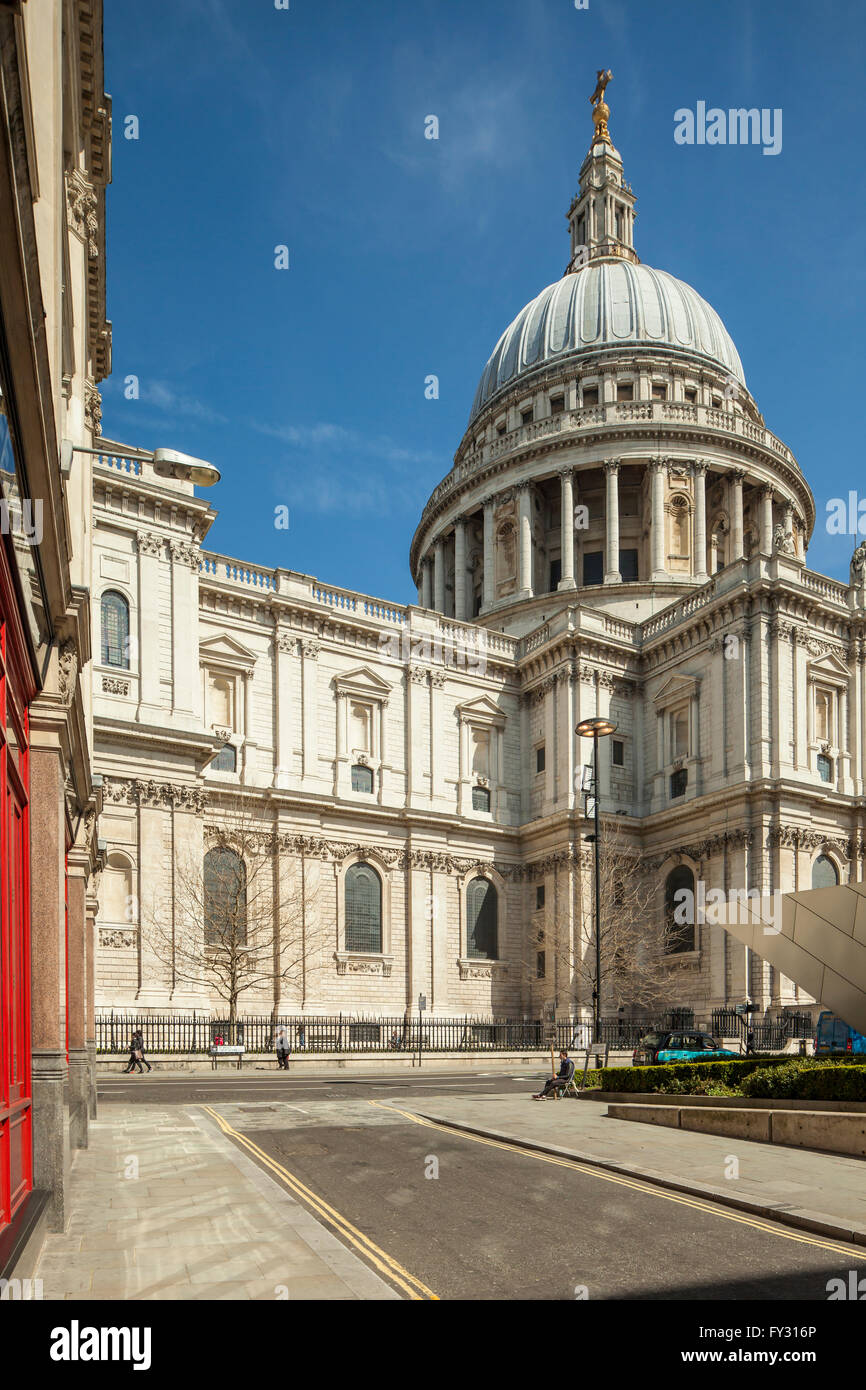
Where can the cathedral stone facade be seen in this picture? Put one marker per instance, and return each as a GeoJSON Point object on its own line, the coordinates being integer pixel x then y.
{"type": "Point", "coordinates": [620, 535]}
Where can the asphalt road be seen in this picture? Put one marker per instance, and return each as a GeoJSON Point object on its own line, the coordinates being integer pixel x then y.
{"type": "Point", "coordinates": [474, 1221]}
{"type": "Point", "coordinates": [274, 1085]}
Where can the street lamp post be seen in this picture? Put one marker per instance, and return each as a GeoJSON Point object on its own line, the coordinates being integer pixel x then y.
{"type": "Point", "coordinates": [595, 729]}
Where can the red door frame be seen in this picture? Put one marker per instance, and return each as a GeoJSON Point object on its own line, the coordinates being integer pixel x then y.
{"type": "Point", "coordinates": [16, 691]}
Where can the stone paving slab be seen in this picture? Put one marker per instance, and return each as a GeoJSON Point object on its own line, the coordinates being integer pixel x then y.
{"type": "Point", "coordinates": [165, 1210]}
{"type": "Point", "coordinates": [820, 1192]}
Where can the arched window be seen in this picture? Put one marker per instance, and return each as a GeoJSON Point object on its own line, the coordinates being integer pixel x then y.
{"type": "Point", "coordinates": [226, 759]}
{"type": "Point", "coordinates": [363, 909]}
{"type": "Point", "coordinates": [482, 919]}
{"type": "Point", "coordinates": [824, 872]}
{"type": "Point", "coordinates": [115, 630]}
{"type": "Point", "coordinates": [480, 799]}
{"type": "Point", "coordinates": [679, 911]}
{"type": "Point", "coordinates": [225, 899]}
{"type": "Point", "coordinates": [362, 779]}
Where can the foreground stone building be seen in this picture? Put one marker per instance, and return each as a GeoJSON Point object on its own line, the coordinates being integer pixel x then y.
{"type": "Point", "coordinates": [620, 534]}
{"type": "Point", "coordinates": [55, 347]}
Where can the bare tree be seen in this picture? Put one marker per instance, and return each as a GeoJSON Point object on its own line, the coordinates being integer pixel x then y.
{"type": "Point", "coordinates": [241, 920]}
{"type": "Point", "coordinates": [634, 968]}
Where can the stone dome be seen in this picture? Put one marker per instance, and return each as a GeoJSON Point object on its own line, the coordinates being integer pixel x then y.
{"type": "Point", "coordinates": [608, 304]}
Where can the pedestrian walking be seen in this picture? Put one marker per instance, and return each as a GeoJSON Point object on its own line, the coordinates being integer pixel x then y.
{"type": "Point", "coordinates": [750, 1043]}
{"type": "Point", "coordinates": [302, 1036]}
{"type": "Point", "coordinates": [138, 1048]}
{"type": "Point", "coordinates": [281, 1044]}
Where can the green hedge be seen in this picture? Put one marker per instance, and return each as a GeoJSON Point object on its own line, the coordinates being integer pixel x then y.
{"type": "Point", "coordinates": [658, 1078]}
{"type": "Point", "coordinates": [807, 1079]}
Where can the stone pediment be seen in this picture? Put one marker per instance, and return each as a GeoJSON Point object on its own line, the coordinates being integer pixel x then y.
{"type": "Point", "coordinates": [362, 681]}
{"type": "Point", "coordinates": [828, 667]}
{"type": "Point", "coordinates": [224, 650]}
{"type": "Point", "coordinates": [676, 688]}
{"type": "Point", "coordinates": [481, 711]}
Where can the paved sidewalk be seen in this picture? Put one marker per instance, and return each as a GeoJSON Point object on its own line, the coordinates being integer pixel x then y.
{"type": "Point", "coordinates": [825, 1193]}
{"type": "Point", "coordinates": [200, 1221]}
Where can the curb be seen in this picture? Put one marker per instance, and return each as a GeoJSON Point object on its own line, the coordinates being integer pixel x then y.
{"type": "Point", "coordinates": [804, 1221]}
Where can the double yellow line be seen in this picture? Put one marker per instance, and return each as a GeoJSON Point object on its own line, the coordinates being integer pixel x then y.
{"type": "Point", "coordinates": [384, 1262]}
{"type": "Point", "coordinates": [650, 1189]}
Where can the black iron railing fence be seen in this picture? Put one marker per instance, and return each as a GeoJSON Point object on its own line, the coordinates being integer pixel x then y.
{"type": "Point", "coordinates": [193, 1034]}
{"type": "Point", "coordinates": [768, 1036]}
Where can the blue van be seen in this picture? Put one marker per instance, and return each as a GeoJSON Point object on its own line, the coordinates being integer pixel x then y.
{"type": "Point", "coordinates": [832, 1035]}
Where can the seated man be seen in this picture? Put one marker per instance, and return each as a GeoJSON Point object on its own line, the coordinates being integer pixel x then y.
{"type": "Point", "coordinates": [561, 1080]}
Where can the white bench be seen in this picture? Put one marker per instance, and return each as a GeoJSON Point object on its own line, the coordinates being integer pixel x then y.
{"type": "Point", "coordinates": [228, 1050]}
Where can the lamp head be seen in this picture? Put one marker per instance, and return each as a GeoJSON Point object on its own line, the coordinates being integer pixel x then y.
{"type": "Point", "coordinates": [595, 728]}
{"type": "Point", "coordinates": [168, 463]}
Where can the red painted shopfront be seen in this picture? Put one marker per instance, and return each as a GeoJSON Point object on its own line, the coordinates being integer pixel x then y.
{"type": "Point", "coordinates": [16, 691]}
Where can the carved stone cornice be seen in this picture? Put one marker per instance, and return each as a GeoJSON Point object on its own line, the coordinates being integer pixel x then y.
{"type": "Point", "coordinates": [139, 792]}
{"type": "Point", "coordinates": [799, 837]}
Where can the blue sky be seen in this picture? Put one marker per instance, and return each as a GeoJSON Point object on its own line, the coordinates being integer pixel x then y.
{"type": "Point", "coordinates": [305, 127]}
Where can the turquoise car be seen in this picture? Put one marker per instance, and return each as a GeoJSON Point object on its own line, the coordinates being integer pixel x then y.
{"type": "Point", "coordinates": [694, 1047]}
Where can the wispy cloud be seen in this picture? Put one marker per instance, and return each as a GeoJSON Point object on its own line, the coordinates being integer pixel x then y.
{"type": "Point", "coordinates": [163, 398]}
{"type": "Point", "coordinates": [482, 127]}
{"type": "Point", "coordinates": [333, 469]}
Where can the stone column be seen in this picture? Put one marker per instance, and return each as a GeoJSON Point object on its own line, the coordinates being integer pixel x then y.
{"type": "Point", "coordinates": [144, 656]}
{"type": "Point", "coordinates": [766, 520]}
{"type": "Point", "coordinates": [611, 562]}
{"type": "Point", "coordinates": [426, 583]}
{"type": "Point", "coordinates": [460, 569]}
{"type": "Point", "coordinates": [76, 990]}
{"type": "Point", "coordinates": [48, 967]}
{"type": "Point", "coordinates": [566, 522]}
{"type": "Point", "coordinates": [310, 710]}
{"type": "Point", "coordinates": [285, 646]}
{"type": "Point", "coordinates": [735, 483]}
{"type": "Point", "coordinates": [524, 491]}
{"type": "Point", "coordinates": [439, 574]}
{"type": "Point", "coordinates": [700, 561]}
{"type": "Point", "coordinates": [489, 557]}
{"type": "Point", "coordinates": [657, 520]}
{"type": "Point", "coordinates": [186, 675]}
{"type": "Point", "coordinates": [844, 741]}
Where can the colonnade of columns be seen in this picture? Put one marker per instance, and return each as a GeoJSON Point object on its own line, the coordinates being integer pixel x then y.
{"type": "Point", "coordinates": [432, 568]}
